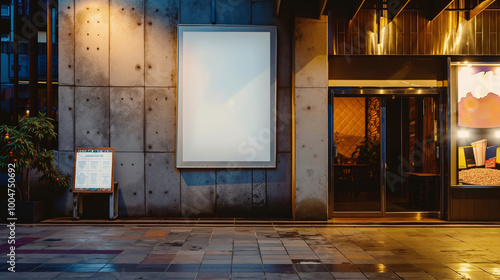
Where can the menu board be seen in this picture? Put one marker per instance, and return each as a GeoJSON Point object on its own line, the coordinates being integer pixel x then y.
{"type": "Point", "coordinates": [94, 170]}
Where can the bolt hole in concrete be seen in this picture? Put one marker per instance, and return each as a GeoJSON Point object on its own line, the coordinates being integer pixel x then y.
{"type": "Point", "coordinates": [88, 132]}
{"type": "Point", "coordinates": [69, 66]}
{"type": "Point", "coordinates": [70, 108]}
{"type": "Point", "coordinates": [69, 7]}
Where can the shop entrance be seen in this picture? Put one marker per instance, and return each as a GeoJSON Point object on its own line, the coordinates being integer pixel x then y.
{"type": "Point", "coordinates": [384, 154]}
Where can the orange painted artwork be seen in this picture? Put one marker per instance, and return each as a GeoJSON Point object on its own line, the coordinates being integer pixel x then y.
{"type": "Point", "coordinates": [479, 96]}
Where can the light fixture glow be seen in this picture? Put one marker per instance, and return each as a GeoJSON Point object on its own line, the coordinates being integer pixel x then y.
{"type": "Point", "coordinates": [497, 134]}
{"type": "Point", "coordinates": [463, 134]}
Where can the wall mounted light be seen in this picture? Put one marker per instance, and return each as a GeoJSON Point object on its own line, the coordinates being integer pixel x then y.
{"type": "Point", "coordinates": [497, 134]}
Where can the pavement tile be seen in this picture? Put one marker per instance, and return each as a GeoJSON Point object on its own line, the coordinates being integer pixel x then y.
{"type": "Point", "coordinates": [173, 252]}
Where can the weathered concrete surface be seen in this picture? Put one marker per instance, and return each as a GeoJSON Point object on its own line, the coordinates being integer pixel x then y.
{"type": "Point", "coordinates": [196, 12]}
{"type": "Point", "coordinates": [92, 43]}
{"type": "Point", "coordinates": [311, 53]}
{"type": "Point", "coordinates": [197, 193]}
{"type": "Point", "coordinates": [126, 42]}
{"type": "Point", "coordinates": [127, 119]}
{"type": "Point", "coordinates": [63, 201]}
{"type": "Point", "coordinates": [161, 42]}
{"type": "Point", "coordinates": [285, 37]}
{"type": "Point", "coordinates": [161, 119]}
{"type": "Point", "coordinates": [234, 193]}
{"type": "Point", "coordinates": [279, 187]}
{"type": "Point", "coordinates": [91, 117]}
{"type": "Point", "coordinates": [311, 153]}
{"type": "Point", "coordinates": [66, 14]}
{"type": "Point", "coordinates": [148, 129]}
{"type": "Point", "coordinates": [163, 185]}
{"type": "Point", "coordinates": [66, 125]}
{"type": "Point", "coordinates": [311, 119]}
{"type": "Point", "coordinates": [129, 173]}
{"type": "Point", "coordinates": [284, 120]}
{"type": "Point", "coordinates": [233, 12]}
{"type": "Point", "coordinates": [259, 190]}
{"type": "Point", "coordinates": [263, 12]}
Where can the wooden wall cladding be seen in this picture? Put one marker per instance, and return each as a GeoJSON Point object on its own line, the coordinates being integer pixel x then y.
{"type": "Point", "coordinates": [475, 204]}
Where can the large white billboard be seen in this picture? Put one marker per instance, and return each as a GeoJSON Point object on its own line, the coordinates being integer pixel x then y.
{"type": "Point", "coordinates": [226, 96]}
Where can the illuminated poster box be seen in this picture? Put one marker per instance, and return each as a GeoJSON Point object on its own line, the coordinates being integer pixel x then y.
{"type": "Point", "coordinates": [94, 170]}
{"type": "Point", "coordinates": [226, 96]}
{"type": "Point", "coordinates": [475, 123]}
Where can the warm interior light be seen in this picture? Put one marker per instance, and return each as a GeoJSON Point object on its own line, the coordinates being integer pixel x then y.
{"type": "Point", "coordinates": [497, 134]}
{"type": "Point", "coordinates": [463, 134]}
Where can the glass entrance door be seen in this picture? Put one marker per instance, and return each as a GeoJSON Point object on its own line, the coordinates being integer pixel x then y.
{"type": "Point", "coordinates": [356, 163]}
{"type": "Point", "coordinates": [412, 174]}
{"type": "Point", "coordinates": [384, 154]}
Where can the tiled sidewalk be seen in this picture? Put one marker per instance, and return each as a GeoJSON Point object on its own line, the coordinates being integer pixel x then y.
{"type": "Point", "coordinates": [253, 252]}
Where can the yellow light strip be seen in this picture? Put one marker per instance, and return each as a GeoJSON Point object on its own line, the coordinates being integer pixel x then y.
{"type": "Point", "coordinates": [386, 83]}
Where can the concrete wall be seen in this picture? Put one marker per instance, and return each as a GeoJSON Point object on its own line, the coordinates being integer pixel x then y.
{"type": "Point", "coordinates": [118, 88]}
{"type": "Point", "coordinates": [311, 119]}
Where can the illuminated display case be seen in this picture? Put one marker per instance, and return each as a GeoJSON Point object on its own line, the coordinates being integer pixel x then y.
{"type": "Point", "coordinates": [475, 123]}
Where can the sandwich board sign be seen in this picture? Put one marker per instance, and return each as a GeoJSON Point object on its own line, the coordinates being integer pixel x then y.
{"type": "Point", "coordinates": [94, 170]}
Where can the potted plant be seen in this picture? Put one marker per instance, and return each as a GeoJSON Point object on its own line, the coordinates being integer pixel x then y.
{"type": "Point", "coordinates": [23, 149]}
{"type": "Point", "coordinates": [368, 152]}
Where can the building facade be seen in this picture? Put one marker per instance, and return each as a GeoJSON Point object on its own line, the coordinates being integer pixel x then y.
{"type": "Point", "coordinates": [347, 77]}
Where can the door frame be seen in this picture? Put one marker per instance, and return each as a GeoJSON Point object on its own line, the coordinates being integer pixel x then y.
{"type": "Point", "coordinates": [384, 93]}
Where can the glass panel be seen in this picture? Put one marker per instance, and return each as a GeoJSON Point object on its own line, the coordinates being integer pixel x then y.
{"type": "Point", "coordinates": [356, 166]}
{"type": "Point", "coordinates": [475, 124]}
{"type": "Point", "coordinates": [412, 175]}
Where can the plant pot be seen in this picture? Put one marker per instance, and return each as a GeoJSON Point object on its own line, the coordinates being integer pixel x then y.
{"type": "Point", "coordinates": [26, 211]}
